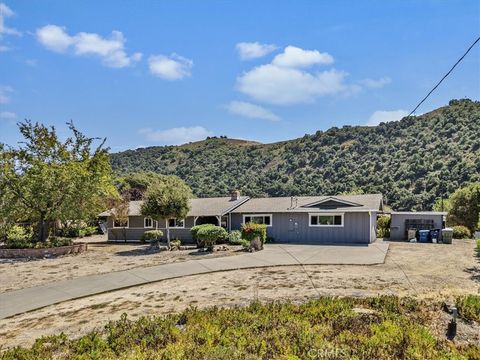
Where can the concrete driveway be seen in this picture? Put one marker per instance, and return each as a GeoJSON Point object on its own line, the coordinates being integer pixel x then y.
{"type": "Point", "coordinates": [20, 301]}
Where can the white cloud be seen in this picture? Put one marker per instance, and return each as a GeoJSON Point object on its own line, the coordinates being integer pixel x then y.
{"type": "Point", "coordinates": [4, 48]}
{"type": "Point", "coordinates": [376, 84]}
{"type": "Point", "coordinates": [54, 38]}
{"type": "Point", "coordinates": [285, 81]}
{"type": "Point", "coordinates": [8, 115]}
{"type": "Point", "coordinates": [249, 110]}
{"type": "Point", "coordinates": [385, 116]}
{"type": "Point", "coordinates": [253, 50]}
{"type": "Point", "coordinates": [286, 86]}
{"type": "Point", "coordinates": [5, 12]}
{"type": "Point", "coordinates": [5, 94]}
{"type": "Point", "coordinates": [296, 57]}
{"type": "Point", "coordinates": [110, 50]}
{"type": "Point", "coordinates": [173, 67]}
{"type": "Point", "coordinates": [175, 136]}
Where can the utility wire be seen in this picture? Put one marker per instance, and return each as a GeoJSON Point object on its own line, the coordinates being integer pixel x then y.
{"type": "Point", "coordinates": [445, 76]}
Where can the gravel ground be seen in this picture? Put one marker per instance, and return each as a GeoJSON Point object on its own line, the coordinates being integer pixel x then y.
{"type": "Point", "coordinates": [101, 257]}
{"type": "Point", "coordinates": [432, 272]}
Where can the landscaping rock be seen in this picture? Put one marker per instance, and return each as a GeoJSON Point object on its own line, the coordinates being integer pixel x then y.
{"type": "Point", "coordinates": [256, 244]}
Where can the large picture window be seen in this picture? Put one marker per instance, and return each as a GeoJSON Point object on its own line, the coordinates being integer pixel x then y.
{"type": "Point", "coordinates": [326, 220]}
{"type": "Point", "coordinates": [176, 223]}
{"type": "Point", "coordinates": [148, 223]}
{"type": "Point", "coordinates": [265, 219]}
{"type": "Point", "coordinates": [118, 223]}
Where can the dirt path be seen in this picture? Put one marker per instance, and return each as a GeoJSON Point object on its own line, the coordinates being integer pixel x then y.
{"type": "Point", "coordinates": [427, 271]}
{"type": "Point", "coordinates": [100, 258]}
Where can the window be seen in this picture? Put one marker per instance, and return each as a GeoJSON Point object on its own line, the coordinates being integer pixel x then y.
{"type": "Point", "coordinates": [176, 223]}
{"type": "Point", "coordinates": [119, 223]}
{"type": "Point", "coordinates": [326, 220]}
{"type": "Point", "coordinates": [265, 219]}
{"type": "Point", "coordinates": [148, 223]}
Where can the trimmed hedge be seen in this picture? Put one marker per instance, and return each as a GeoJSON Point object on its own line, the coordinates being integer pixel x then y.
{"type": "Point", "coordinates": [208, 235]}
{"type": "Point", "coordinates": [152, 235]}
{"type": "Point", "coordinates": [251, 230]}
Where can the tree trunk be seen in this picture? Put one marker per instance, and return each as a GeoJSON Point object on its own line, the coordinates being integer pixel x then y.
{"type": "Point", "coordinates": [42, 229]}
{"type": "Point", "coordinates": [168, 235]}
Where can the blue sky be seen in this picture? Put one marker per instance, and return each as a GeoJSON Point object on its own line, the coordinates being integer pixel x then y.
{"type": "Point", "coordinates": [145, 73]}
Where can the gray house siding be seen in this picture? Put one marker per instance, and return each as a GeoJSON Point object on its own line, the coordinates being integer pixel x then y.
{"type": "Point", "coordinates": [136, 229]}
{"type": "Point", "coordinates": [397, 225]}
{"type": "Point", "coordinates": [294, 228]}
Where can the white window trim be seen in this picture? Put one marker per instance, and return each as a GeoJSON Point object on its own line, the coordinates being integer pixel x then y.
{"type": "Point", "coordinates": [256, 215]}
{"type": "Point", "coordinates": [145, 223]}
{"type": "Point", "coordinates": [176, 227]}
{"type": "Point", "coordinates": [325, 214]}
{"type": "Point", "coordinates": [121, 227]}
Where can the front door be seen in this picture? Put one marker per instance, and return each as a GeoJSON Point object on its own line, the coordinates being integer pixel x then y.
{"type": "Point", "coordinates": [292, 230]}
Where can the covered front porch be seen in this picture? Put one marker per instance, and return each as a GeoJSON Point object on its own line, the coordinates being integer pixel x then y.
{"type": "Point", "coordinates": [217, 220]}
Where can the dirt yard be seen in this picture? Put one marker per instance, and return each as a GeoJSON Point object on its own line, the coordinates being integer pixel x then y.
{"type": "Point", "coordinates": [426, 271]}
{"type": "Point", "coordinates": [100, 258]}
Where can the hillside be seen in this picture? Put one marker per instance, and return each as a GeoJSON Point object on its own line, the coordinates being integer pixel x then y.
{"type": "Point", "coordinates": [412, 162]}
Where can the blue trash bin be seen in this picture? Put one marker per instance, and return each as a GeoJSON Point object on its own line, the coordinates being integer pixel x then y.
{"type": "Point", "coordinates": [435, 235]}
{"type": "Point", "coordinates": [424, 235]}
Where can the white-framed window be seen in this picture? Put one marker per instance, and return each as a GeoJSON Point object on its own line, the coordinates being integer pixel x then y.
{"type": "Point", "coordinates": [176, 223]}
{"type": "Point", "coordinates": [120, 223]}
{"type": "Point", "coordinates": [148, 223]}
{"type": "Point", "coordinates": [265, 219]}
{"type": "Point", "coordinates": [328, 220]}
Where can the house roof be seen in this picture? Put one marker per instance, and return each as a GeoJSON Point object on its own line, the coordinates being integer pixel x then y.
{"type": "Point", "coordinates": [347, 203]}
{"type": "Point", "coordinates": [198, 207]}
{"type": "Point", "coordinates": [419, 213]}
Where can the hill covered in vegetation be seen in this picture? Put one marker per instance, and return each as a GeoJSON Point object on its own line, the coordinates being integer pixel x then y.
{"type": "Point", "coordinates": [412, 162]}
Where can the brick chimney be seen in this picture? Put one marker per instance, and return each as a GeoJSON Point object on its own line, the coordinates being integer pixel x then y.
{"type": "Point", "coordinates": [235, 195]}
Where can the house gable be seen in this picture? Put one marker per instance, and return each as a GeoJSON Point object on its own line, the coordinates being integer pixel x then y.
{"type": "Point", "coordinates": [332, 203]}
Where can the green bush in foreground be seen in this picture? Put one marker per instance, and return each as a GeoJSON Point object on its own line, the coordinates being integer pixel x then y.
{"type": "Point", "coordinates": [384, 327]}
{"type": "Point", "coordinates": [461, 232]}
{"type": "Point", "coordinates": [469, 307]}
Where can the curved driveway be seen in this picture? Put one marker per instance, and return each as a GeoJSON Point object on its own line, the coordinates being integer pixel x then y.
{"type": "Point", "coordinates": [20, 301]}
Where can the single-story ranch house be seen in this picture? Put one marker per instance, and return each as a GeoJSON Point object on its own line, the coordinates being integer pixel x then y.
{"type": "Point", "coordinates": [306, 219]}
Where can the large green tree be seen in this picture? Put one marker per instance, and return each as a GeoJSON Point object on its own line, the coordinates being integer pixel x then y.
{"type": "Point", "coordinates": [167, 199]}
{"type": "Point", "coordinates": [464, 207]}
{"type": "Point", "coordinates": [45, 180]}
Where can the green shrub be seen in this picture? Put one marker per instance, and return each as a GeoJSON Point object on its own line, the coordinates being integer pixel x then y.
{"type": "Point", "coordinates": [208, 235]}
{"type": "Point", "coordinates": [469, 307]}
{"type": "Point", "coordinates": [383, 226]}
{"type": "Point", "coordinates": [78, 231]}
{"type": "Point", "coordinates": [175, 244]}
{"type": "Point", "coordinates": [20, 237]}
{"type": "Point", "coordinates": [194, 231]}
{"type": "Point", "coordinates": [235, 237]}
{"type": "Point", "coordinates": [461, 232]}
{"type": "Point", "coordinates": [152, 235]}
{"type": "Point", "coordinates": [59, 241]}
{"type": "Point", "coordinates": [251, 230]}
{"type": "Point", "coordinates": [388, 329]}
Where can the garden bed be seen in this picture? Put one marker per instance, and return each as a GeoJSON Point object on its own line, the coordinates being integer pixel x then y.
{"type": "Point", "coordinates": [41, 253]}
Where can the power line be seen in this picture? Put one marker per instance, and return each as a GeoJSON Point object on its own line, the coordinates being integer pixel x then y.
{"type": "Point", "coordinates": [445, 76]}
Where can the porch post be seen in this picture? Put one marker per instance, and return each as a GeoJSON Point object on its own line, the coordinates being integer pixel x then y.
{"type": "Point", "coordinates": [195, 220]}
